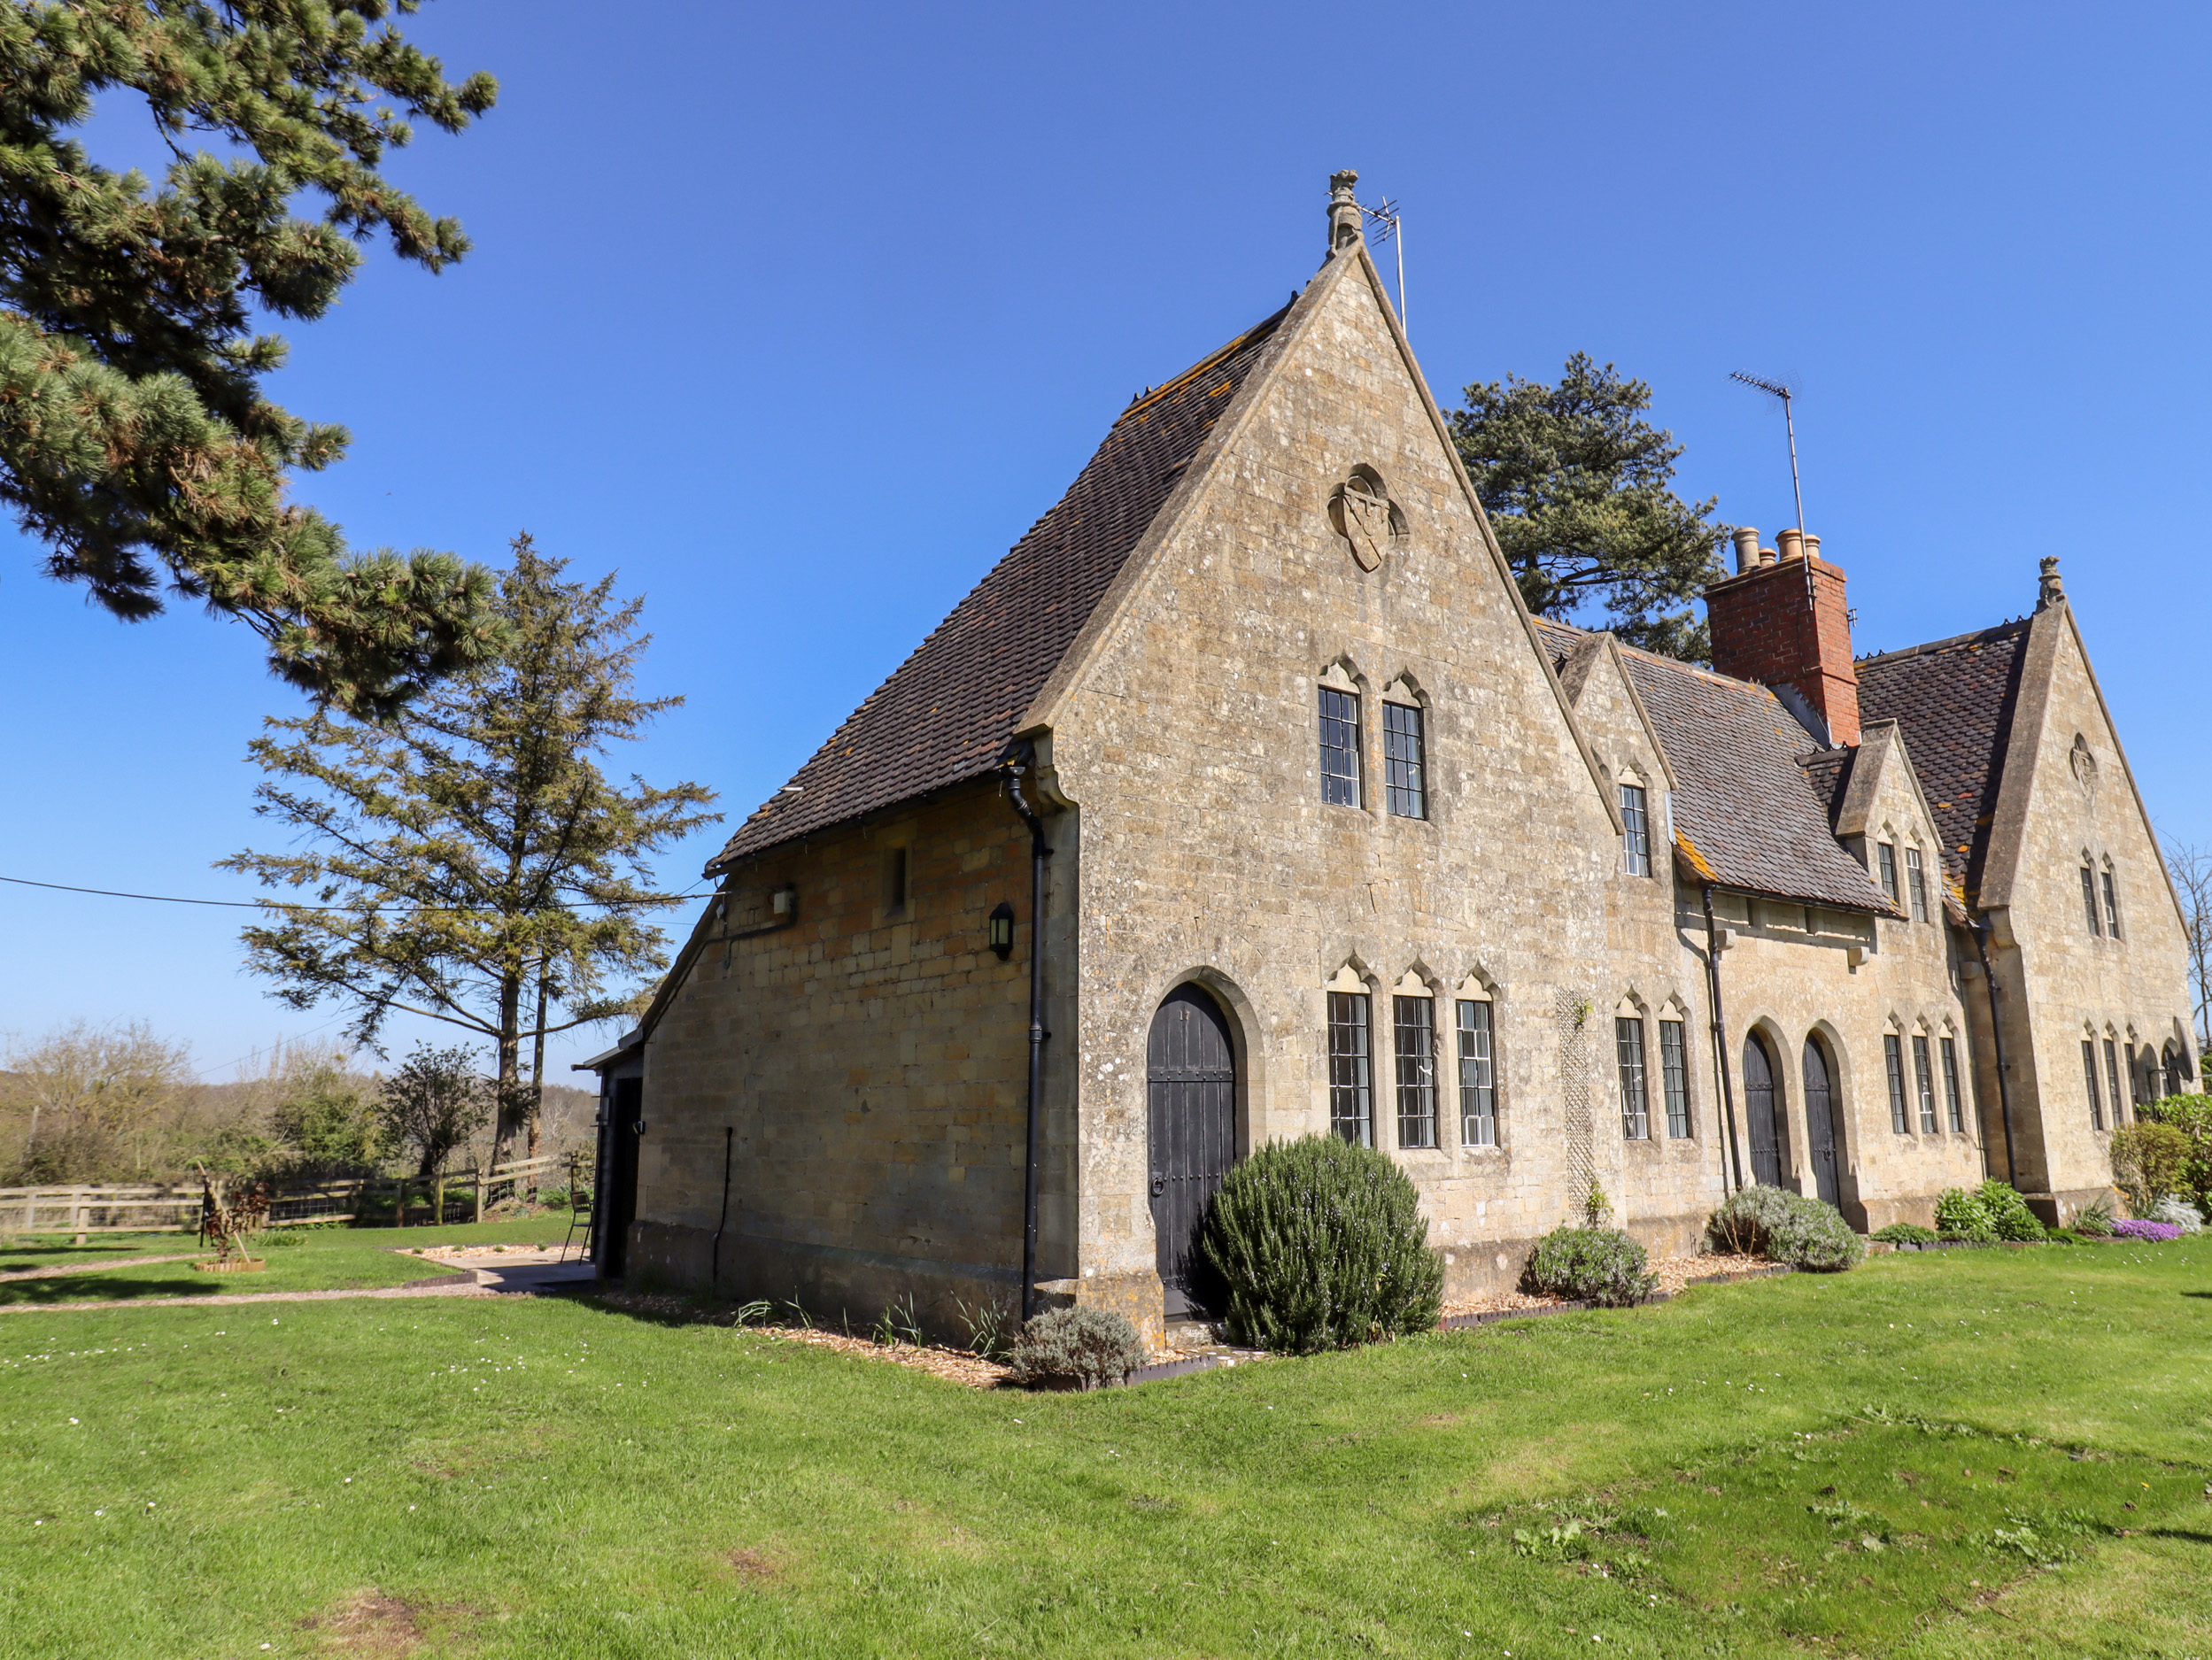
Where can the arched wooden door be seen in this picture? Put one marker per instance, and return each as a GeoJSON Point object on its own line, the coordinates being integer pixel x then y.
{"type": "Point", "coordinates": [1190, 1085]}
{"type": "Point", "coordinates": [1820, 1123]}
{"type": "Point", "coordinates": [1762, 1110]}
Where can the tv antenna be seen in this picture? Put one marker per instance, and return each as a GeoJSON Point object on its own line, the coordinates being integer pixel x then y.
{"type": "Point", "coordinates": [1784, 391]}
{"type": "Point", "coordinates": [1385, 215]}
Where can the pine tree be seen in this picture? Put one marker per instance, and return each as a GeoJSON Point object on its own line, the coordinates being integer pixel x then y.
{"type": "Point", "coordinates": [469, 861]}
{"type": "Point", "coordinates": [135, 440]}
{"type": "Point", "coordinates": [1576, 485]}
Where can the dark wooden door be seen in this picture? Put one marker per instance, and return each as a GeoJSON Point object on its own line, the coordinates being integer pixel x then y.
{"type": "Point", "coordinates": [1190, 1085]}
{"type": "Point", "coordinates": [1762, 1108]}
{"type": "Point", "coordinates": [620, 1199]}
{"type": "Point", "coordinates": [1820, 1123]}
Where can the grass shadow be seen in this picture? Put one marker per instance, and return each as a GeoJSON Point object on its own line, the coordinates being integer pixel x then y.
{"type": "Point", "coordinates": [93, 1288]}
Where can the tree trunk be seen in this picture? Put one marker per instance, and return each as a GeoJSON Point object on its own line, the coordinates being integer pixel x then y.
{"type": "Point", "coordinates": [510, 1055]}
{"type": "Point", "coordinates": [537, 1077]}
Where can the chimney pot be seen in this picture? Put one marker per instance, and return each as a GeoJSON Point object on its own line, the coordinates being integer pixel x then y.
{"type": "Point", "coordinates": [1765, 556]}
{"type": "Point", "coordinates": [1791, 544]}
{"type": "Point", "coordinates": [1812, 545]}
{"type": "Point", "coordinates": [1746, 541]}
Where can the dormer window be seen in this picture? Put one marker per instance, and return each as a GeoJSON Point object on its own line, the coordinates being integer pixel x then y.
{"type": "Point", "coordinates": [1885, 864]}
{"type": "Point", "coordinates": [1916, 881]}
{"type": "Point", "coordinates": [1404, 759]}
{"type": "Point", "coordinates": [1635, 822]}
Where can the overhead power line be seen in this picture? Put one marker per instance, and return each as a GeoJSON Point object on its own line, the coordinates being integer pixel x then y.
{"type": "Point", "coordinates": [416, 910]}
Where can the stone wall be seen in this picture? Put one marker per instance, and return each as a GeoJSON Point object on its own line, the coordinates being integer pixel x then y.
{"type": "Point", "coordinates": [2064, 981]}
{"type": "Point", "coordinates": [869, 1066]}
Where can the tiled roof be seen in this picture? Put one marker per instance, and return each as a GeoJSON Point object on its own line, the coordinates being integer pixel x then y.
{"type": "Point", "coordinates": [1954, 701]}
{"type": "Point", "coordinates": [1744, 800]}
{"type": "Point", "coordinates": [1829, 771]}
{"type": "Point", "coordinates": [947, 712]}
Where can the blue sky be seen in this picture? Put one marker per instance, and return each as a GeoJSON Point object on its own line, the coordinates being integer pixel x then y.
{"type": "Point", "coordinates": [798, 316]}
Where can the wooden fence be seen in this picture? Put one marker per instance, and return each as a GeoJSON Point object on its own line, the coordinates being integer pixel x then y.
{"type": "Point", "coordinates": [87, 1208]}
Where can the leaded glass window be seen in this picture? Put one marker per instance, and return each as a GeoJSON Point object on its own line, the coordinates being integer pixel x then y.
{"type": "Point", "coordinates": [1638, 838]}
{"type": "Point", "coordinates": [1952, 1105]}
{"type": "Point", "coordinates": [2089, 1076]}
{"type": "Point", "coordinates": [1413, 1020]}
{"type": "Point", "coordinates": [2112, 905]}
{"type": "Point", "coordinates": [1340, 747]}
{"type": "Point", "coordinates": [1916, 879]}
{"type": "Point", "coordinates": [1893, 1061]}
{"type": "Point", "coordinates": [1351, 1088]}
{"type": "Point", "coordinates": [1885, 862]}
{"type": "Point", "coordinates": [1635, 1109]}
{"type": "Point", "coordinates": [2088, 900]}
{"type": "Point", "coordinates": [1404, 761]}
{"type": "Point", "coordinates": [1478, 1076]}
{"type": "Point", "coordinates": [2112, 1076]}
{"type": "Point", "coordinates": [1924, 1085]}
{"type": "Point", "coordinates": [1674, 1077]}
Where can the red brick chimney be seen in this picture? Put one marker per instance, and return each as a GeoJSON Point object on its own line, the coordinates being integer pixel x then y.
{"type": "Point", "coordinates": [1764, 629]}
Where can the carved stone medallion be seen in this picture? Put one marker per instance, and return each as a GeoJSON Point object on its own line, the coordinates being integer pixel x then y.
{"type": "Point", "coordinates": [1364, 516]}
{"type": "Point", "coordinates": [2084, 765]}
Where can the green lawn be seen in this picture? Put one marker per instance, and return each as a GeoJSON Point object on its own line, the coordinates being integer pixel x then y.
{"type": "Point", "coordinates": [323, 1258]}
{"type": "Point", "coordinates": [1971, 1453]}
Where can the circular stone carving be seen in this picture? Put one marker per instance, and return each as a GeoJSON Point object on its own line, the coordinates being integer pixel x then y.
{"type": "Point", "coordinates": [1365, 517]}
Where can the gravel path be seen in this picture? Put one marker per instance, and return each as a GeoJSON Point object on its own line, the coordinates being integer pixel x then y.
{"type": "Point", "coordinates": [227, 1299]}
{"type": "Point", "coordinates": [62, 1270]}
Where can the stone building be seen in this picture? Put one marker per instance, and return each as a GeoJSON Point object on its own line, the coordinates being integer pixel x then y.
{"type": "Point", "coordinates": [1243, 798]}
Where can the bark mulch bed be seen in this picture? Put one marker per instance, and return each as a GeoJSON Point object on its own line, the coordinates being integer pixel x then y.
{"type": "Point", "coordinates": [1674, 1272]}
{"type": "Point", "coordinates": [954, 1365]}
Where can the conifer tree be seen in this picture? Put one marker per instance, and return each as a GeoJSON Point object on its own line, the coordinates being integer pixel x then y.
{"type": "Point", "coordinates": [135, 439]}
{"type": "Point", "coordinates": [1577, 487]}
{"type": "Point", "coordinates": [469, 861]}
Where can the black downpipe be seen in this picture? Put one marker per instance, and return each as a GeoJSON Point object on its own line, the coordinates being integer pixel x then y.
{"type": "Point", "coordinates": [713, 1274]}
{"type": "Point", "coordinates": [1018, 762]}
{"type": "Point", "coordinates": [1997, 1046]}
{"type": "Point", "coordinates": [1735, 1151]}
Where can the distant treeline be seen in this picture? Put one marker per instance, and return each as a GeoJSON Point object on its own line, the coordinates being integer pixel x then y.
{"type": "Point", "coordinates": [91, 1103]}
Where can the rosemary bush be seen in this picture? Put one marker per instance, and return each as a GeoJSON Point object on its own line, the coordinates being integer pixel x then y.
{"type": "Point", "coordinates": [1322, 1245]}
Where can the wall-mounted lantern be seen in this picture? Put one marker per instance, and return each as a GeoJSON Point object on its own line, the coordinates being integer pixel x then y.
{"type": "Point", "coordinates": [1002, 931]}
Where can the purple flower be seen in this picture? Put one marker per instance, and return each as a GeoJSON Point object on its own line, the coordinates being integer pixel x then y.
{"type": "Point", "coordinates": [2157, 1230]}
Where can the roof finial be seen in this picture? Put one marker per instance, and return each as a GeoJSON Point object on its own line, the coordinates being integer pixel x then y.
{"type": "Point", "coordinates": [2050, 592]}
{"type": "Point", "coordinates": [1344, 227]}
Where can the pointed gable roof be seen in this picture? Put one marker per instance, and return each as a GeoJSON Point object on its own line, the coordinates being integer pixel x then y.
{"type": "Point", "coordinates": [946, 715]}
{"type": "Point", "coordinates": [1953, 699]}
{"type": "Point", "coordinates": [1747, 808]}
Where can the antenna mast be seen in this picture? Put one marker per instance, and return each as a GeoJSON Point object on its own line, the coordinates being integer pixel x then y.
{"type": "Point", "coordinates": [1385, 215]}
{"type": "Point", "coordinates": [1782, 390]}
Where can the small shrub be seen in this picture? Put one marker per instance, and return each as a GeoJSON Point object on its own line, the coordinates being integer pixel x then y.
{"type": "Point", "coordinates": [1905, 1233]}
{"type": "Point", "coordinates": [2178, 1212]}
{"type": "Point", "coordinates": [1600, 1265]}
{"type": "Point", "coordinates": [2148, 1162]}
{"type": "Point", "coordinates": [2093, 1221]}
{"type": "Point", "coordinates": [2191, 1115]}
{"type": "Point", "coordinates": [2008, 1213]}
{"type": "Point", "coordinates": [1085, 1346]}
{"type": "Point", "coordinates": [1785, 1227]}
{"type": "Point", "coordinates": [1321, 1245]}
{"type": "Point", "coordinates": [281, 1239]}
{"type": "Point", "coordinates": [2156, 1233]}
{"type": "Point", "coordinates": [1963, 1215]}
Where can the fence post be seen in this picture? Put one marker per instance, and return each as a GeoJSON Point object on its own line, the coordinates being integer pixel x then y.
{"type": "Point", "coordinates": [76, 1213]}
{"type": "Point", "coordinates": [399, 1206]}
{"type": "Point", "coordinates": [30, 1211]}
{"type": "Point", "coordinates": [475, 1172]}
{"type": "Point", "coordinates": [437, 1200]}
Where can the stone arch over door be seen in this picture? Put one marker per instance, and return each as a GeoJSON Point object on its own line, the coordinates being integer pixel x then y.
{"type": "Point", "coordinates": [1823, 1142]}
{"type": "Point", "coordinates": [1766, 1109]}
{"type": "Point", "coordinates": [1190, 1093]}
